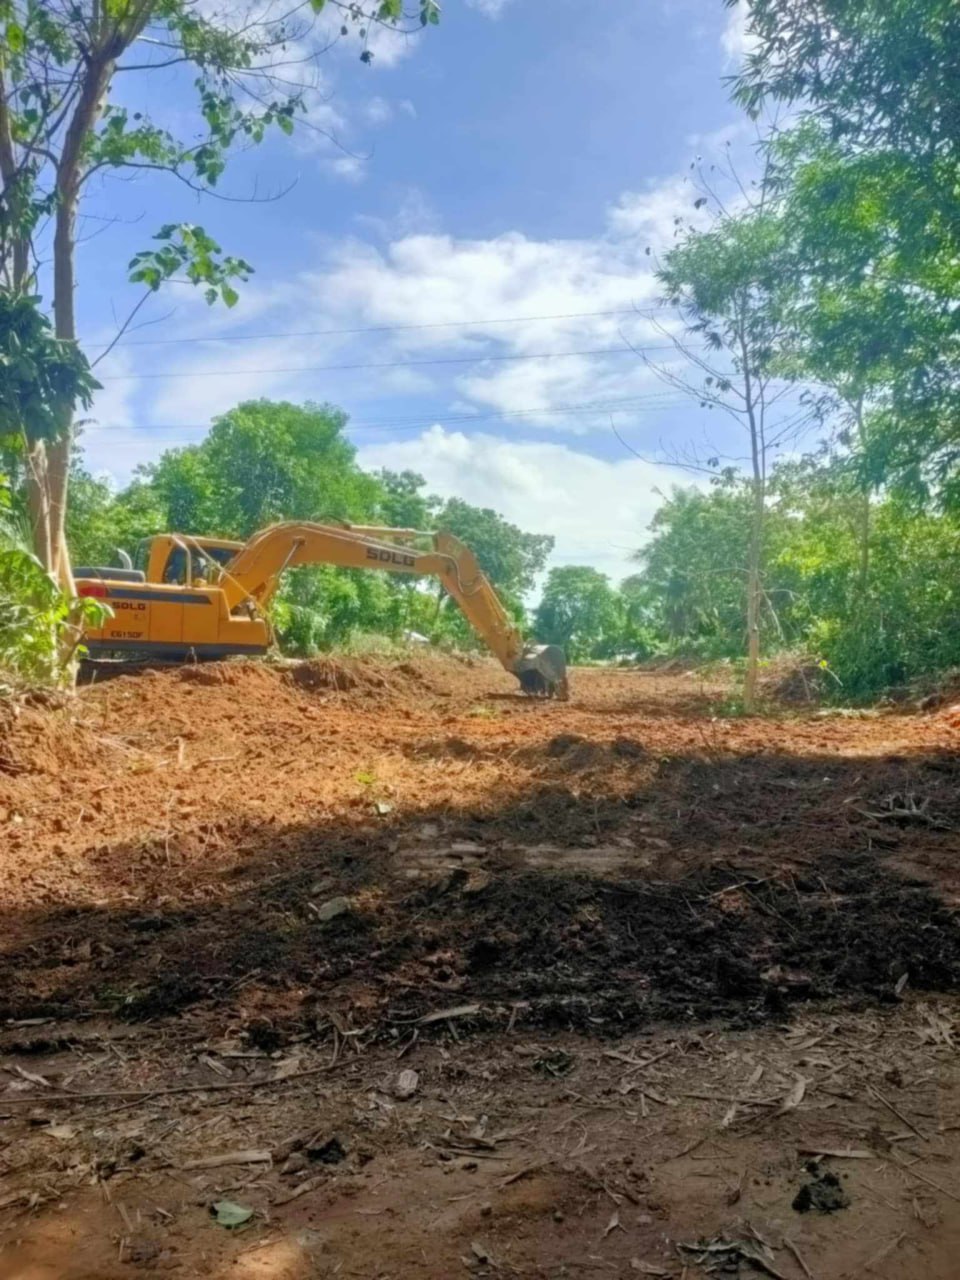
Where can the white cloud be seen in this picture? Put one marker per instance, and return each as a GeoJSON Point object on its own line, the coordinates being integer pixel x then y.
{"type": "Point", "coordinates": [489, 8]}
{"type": "Point", "coordinates": [736, 39]}
{"type": "Point", "coordinates": [659, 213]}
{"type": "Point", "coordinates": [348, 168]}
{"type": "Point", "coordinates": [377, 111]}
{"type": "Point", "coordinates": [455, 288]}
{"type": "Point", "coordinates": [406, 294]}
{"type": "Point", "coordinates": [597, 510]}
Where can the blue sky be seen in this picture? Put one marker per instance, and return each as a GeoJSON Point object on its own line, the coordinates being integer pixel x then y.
{"type": "Point", "coordinates": [511, 166]}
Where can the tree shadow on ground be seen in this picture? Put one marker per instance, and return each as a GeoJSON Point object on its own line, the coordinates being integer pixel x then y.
{"type": "Point", "coordinates": [744, 885]}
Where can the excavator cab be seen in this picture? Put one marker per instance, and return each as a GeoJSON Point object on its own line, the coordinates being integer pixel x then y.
{"type": "Point", "coordinates": [182, 560]}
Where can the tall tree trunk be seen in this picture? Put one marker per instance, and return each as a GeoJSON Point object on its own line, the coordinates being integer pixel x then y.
{"type": "Point", "coordinates": [69, 175]}
{"type": "Point", "coordinates": [863, 579]}
{"type": "Point", "coordinates": [38, 507]}
{"type": "Point", "coordinates": [16, 270]}
{"type": "Point", "coordinates": [755, 554]}
{"type": "Point", "coordinates": [754, 591]}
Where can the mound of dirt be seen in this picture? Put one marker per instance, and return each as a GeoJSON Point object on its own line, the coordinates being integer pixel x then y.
{"type": "Point", "coordinates": [570, 753]}
{"type": "Point", "coordinates": [325, 673]}
{"type": "Point", "coordinates": [797, 682]}
{"type": "Point", "coordinates": [372, 681]}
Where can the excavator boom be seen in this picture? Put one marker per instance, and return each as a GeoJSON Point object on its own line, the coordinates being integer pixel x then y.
{"type": "Point", "coordinates": [186, 612]}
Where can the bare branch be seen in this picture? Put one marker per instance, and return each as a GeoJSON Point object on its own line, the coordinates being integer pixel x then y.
{"type": "Point", "coordinates": [121, 331]}
{"type": "Point", "coordinates": [196, 187]}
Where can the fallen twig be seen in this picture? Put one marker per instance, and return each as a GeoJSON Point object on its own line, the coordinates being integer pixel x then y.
{"type": "Point", "coordinates": [900, 1116]}
{"type": "Point", "coordinates": [520, 1173]}
{"type": "Point", "coordinates": [459, 1011]}
{"type": "Point", "coordinates": [310, 1185]}
{"type": "Point", "coordinates": [636, 1063]}
{"type": "Point", "coordinates": [885, 1251]}
{"type": "Point", "coordinates": [922, 1177]}
{"type": "Point", "coordinates": [850, 1153]}
{"type": "Point", "coordinates": [788, 1244]}
{"type": "Point", "coordinates": [227, 1157]}
{"type": "Point", "coordinates": [171, 1089]}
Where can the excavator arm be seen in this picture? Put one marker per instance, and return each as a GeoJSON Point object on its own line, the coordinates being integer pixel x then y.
{"type": "Point", "coordinates": [254, 573]}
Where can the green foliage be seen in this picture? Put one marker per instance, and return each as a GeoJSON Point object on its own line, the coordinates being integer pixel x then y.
{"type": "Point", "coordinates": [188, 249]}
{"type": "Point", "coordinates": [509, 557]}
{"type": "Point", "coordinates": [877, 623]}
{"type": "Point", "coordinates": [839, 275]}
{"type": "Point", "coordinates": [694, 570]}
{"type": "Point", "coordinates": [727, 282]}
{"type": "Point", "coordinates": [878, 73]}
{"type": "Point", "coordinates": [580, 612]}
{"type": "Point", "coordinates": [36, 618]}
{"type": "Point", "coordinates": [403, 503]}
{"type": "Point", "coordinates": [41, 377]}
{"type": "Point", "coordinates": [263, 461]}
{"type": "Point", "coordinates": [867, 176]}
{"type": "Point", "coordinates": [322, 607]}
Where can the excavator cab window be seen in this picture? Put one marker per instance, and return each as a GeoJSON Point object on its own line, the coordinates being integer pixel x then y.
{"type": "Point", "coordinates": [175, 570]}
{"type": "Point", "coordinates": [202, 563]}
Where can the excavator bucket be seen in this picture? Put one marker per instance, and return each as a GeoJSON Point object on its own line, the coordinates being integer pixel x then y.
{"type": "Point", "coordinates": [542, 671]}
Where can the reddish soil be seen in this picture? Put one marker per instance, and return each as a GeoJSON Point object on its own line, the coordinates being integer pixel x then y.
{"type": "Point", "coordinates": [235, 874]}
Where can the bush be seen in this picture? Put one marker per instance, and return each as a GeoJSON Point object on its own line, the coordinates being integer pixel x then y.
{"type": "Point", "coordinates": [39, 625]}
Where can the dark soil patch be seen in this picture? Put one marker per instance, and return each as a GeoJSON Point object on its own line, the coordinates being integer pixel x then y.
{"type": "Point", "coordinates": [573, 951]}
{"type": "Point", "coordinates": [823, 1192]}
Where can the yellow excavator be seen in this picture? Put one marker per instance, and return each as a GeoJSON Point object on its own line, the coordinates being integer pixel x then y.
{"type": "Point", "coordinates": [200, 598]}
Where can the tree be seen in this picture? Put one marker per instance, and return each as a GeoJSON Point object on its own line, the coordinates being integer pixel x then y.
{"type": "Point", "coordinates": [730, 285]}
{"type": "Point", "coordinates": [63, 120]}
{"type": "Point", "coordinates": [511, 558]}
{"type": "Point", "coordinates": [868, 175]}
{"type": "Point", "coordinates": [580, 612]}
{"type": "Point", "coordinates": [638, 610]}
{"type": "Point", "coordinates": [403, 503]}
{"type": "Point", "coordinates": [906, 626]}
{"type": "Point", "coordinates": [695, 568]}
{"type": "Point", "coordinates": [264, 461]}
{"type": "Point", "coordinates": [878, 73]}
{"type": "Point", "coordinates": [38, 622]}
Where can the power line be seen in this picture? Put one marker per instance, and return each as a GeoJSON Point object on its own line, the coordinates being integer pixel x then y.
{"type": "Point", "coordinates": [660, 400]}
{"type": "Point", "coordinates": [384, 364]}
{"type": "Point", "coordinates": [385, 328]}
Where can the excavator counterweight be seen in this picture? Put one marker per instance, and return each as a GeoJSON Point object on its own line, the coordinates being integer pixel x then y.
{"type": "Point", "coordinates": [208, 598]}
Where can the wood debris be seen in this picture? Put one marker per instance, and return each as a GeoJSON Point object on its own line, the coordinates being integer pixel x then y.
{"type": "Point", "coordinates": [250, 1156]}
